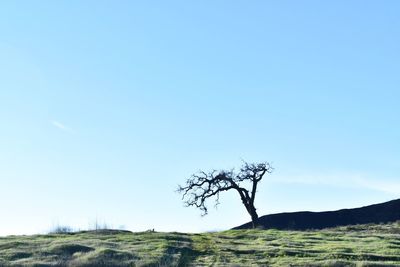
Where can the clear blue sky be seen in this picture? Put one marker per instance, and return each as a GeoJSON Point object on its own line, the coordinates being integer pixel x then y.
{"type": "Point", "coordinates": [106, 106]}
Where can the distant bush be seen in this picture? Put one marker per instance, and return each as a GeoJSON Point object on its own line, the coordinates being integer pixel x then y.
{"type": "Point", "coordinates": [61, 229]}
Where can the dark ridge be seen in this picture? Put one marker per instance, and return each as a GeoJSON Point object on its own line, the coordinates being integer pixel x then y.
{"type": "Point", "coordinates": [305, 220]}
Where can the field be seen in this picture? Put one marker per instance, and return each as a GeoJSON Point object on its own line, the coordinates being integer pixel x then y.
{"type": "Point", "coordinates": [363, 245]}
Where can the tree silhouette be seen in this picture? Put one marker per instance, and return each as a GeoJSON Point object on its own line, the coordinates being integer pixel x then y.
{"type": "Point", "coordinates": [202, 186]}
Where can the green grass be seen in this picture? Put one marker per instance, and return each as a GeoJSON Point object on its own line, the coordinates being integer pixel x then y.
{"type": "Point", "coordinates": [363, 245]}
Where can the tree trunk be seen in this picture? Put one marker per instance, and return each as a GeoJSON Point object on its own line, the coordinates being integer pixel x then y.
{"type": "Point", "coordinates": [249, 205]}
{"type": "Point", "coordinates": [254, 217]}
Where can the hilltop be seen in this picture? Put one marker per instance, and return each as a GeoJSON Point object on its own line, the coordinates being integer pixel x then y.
{"type": "Point", "coordinates": [378, 213]}
{"type": "Point", "coordinates": [362, 245]}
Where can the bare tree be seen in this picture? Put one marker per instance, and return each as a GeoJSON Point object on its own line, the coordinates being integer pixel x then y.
{"type": "Point", "coordinates": [202, 186]}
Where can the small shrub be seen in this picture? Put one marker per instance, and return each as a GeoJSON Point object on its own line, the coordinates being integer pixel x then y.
{"type": "Point", "coordinates": [61, 229]}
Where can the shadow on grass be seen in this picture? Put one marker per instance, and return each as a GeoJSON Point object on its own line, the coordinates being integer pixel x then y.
{"type": "Point", "coordinates": [179, 252]}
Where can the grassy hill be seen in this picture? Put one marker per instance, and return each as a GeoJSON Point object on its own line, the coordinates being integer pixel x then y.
{"type": "Point", "coordinates": [362, 245]}
{"type": "Point", "coordinates": [386, 212]}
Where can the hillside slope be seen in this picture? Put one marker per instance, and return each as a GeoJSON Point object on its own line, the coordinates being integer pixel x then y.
{"type": "Point", "coordinates": [362, 245]}
{"type": "Point", "coordinates": [379, 213]}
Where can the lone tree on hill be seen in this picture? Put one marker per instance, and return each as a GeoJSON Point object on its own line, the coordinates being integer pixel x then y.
{"type": "Point", "coordinates": [202, 186]}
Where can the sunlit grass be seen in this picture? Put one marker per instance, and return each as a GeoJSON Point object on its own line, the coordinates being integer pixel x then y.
{"type": "Point", "coordinates": [364, 245]}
